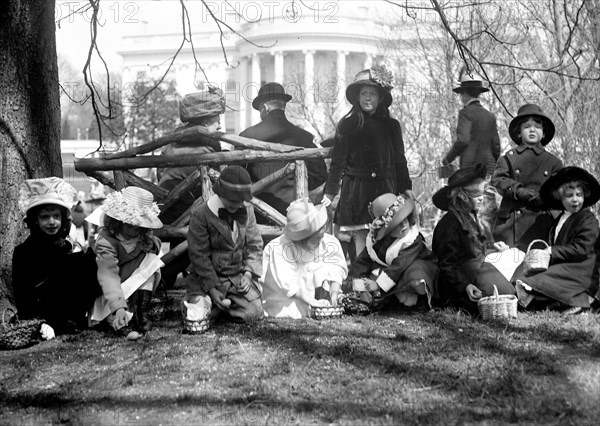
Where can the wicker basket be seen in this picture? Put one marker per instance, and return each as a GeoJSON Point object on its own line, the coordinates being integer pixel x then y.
{"type": "Point", "coordinates": [536, 260]}
{"type": "Point", "coordinates": [498, 306]}
{"type": "Point", "coordinates": [327, 312]}
{"type": "Point", "coordinates": [17, 334]}
{"type": "Point", "coordinates": [195, 327]}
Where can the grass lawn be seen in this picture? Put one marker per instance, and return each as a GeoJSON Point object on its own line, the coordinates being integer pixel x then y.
{"type": "Point", "coordinates": [392, 368]}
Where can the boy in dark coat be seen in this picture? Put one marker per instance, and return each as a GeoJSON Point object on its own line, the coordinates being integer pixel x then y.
{"type": "Point", "coordinates": [518, 177]}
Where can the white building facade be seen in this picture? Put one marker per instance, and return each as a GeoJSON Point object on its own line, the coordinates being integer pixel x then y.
{"type": "Point", "coordinates": [313, 51]}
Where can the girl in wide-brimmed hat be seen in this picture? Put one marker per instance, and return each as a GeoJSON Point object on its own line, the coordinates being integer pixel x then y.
{"type": "Point", "coordinates": [518, 176]}
{"type": "Point", "coordinates": [304, 267]}
{"type": "Point", "coordinates": [368, 154]}
{"type": "Point", "coordinates": [568, 278]}
{"type": "Point", "coordinates": [49, 279]}
{"type": "Point", "coordinates": [127, 255]}
{"type": "Point", "coordinates": [225, 250]}
{"type": "Point", "coordinates": [396, 261]}
{"type": "Point", "coordinates": [470, 263]}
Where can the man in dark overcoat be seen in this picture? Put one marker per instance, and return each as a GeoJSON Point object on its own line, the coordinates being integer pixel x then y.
{"type": "Point", "coordinates": [477, 139]}
{"type": "Point", "coordinates": [275, 127]}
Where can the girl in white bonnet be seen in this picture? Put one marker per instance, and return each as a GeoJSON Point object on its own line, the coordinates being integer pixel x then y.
{"type": "Point", "coordinates": [49, 280]}
{"type": "Point", "coordinates": [304, 267]}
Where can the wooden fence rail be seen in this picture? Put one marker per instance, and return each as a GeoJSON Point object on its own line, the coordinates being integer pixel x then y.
{"type": "Point", "coordinates": [121, 164]}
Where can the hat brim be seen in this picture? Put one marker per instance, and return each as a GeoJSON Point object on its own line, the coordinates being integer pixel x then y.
{"type": "Point", "coordinates": [48, 202]}
{"type": "Point", "coordinates": [141, 221]}
{"type": "Point", "coordinates": [441, 199]}
{"type": "Point", "coordinates": [403, 212]}
{"type": "Point", "coordinates": [461, 177]}
{"type": "Point", "coordinates": [320, 221]}
{"type": "Point", "coordinates": [462, 89]}
{"type": "Point", "coordinates": [270, 97]}
{"type": "Point", "coordinates": [569, 174]}
{"type": "Point", "coordinates": [96, 217]}
{"type": "Point", "coordinates": [229, 194]}
{"type": "Point", "coordinates": [514, 128]}
{"type": "Point", "coordinates": [353, 88]}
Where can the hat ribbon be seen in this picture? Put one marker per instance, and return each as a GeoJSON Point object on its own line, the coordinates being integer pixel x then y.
{"type": "Point", "coordinates": [238, 187]}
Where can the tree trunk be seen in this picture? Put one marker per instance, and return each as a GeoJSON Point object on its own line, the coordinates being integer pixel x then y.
{"type": "Point", "coordinates": [29, 112]}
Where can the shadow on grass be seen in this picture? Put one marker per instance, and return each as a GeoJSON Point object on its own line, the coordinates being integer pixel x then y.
{"type": "Point", "coordinates": [431, 368]}
{"type": "Point", "coordinates": [53, 407]}
{"type": "Point", "coordinates": [503, 366]}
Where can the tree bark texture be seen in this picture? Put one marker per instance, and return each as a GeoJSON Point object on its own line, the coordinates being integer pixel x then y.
{"type": "Point", "coordinates": [29, 112]}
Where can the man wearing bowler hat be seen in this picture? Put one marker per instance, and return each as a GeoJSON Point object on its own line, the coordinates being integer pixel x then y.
{"type": "Point", "coordinates": [477, 138]}
{"type": "Point", "coordinates": [275, 127]}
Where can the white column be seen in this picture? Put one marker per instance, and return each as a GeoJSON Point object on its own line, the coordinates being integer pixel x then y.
{"type": "Point", "coordinates": [243, 101]}
{"type": "Point", "coordinates": [309, 77]}
{"type": "Point", "coordinates": [341, 77]}
{"type": "Point", "coordinates": [256, 82]}
{"type": "Point", "coordinates": [368, 61]}
{"type": "Point", "coordinates": [278, 65]}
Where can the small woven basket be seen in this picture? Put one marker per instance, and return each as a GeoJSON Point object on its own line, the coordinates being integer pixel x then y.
{"type": "Point", "coordinates": [18, 334]}
{"type": "Point", "coordinates": [195, 327]}
{"type": "Point", "coordinates": [536, 260]}
{"type": "Point", "coordinates": [498, 306]}
{"type": "Point", "coordinates": [327, 312]}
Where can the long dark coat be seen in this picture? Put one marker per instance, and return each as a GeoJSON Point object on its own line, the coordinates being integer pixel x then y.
{"type": "Point", "coordinates": [460, 259]}
{"type": "Point", "coordinates": [275, 127]}
{"type": "Point", "coordinates": [569, 275]}
{"type": "Point", "coordinates": [51, 282]}
{"type": "Point", "coordinates": [519, 222]}
{"type": "Point", "coordinates": [369, 162]}
{"type": "Point", "coordinates": [477, 139]}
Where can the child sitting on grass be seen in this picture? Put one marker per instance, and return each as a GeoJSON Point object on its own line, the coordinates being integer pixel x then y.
{"type": "Point", "coordinates": [396, 261]}
{"type": "Point", "coordinates": [50, 280]}
{"type": "Point", "coordinates": [572, 240]}
{"type": "Point", "coordinates": [304, 267]}
{"type": "Point", "coordinates": [225, 250]}
{"type": "Point", "coordinates": [127, 255]}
